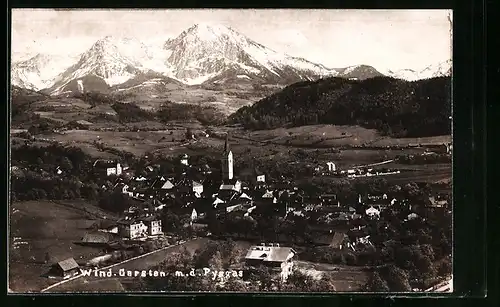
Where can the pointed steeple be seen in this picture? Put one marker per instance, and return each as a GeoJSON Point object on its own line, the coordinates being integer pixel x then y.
{"type": "Point", "coordinates": [226, 146]}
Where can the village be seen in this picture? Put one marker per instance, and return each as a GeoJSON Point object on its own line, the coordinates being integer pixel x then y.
{"type": "Point", "coordinates": [219, 205]}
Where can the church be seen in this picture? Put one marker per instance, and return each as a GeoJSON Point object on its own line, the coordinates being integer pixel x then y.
{"type": "Point", "coordinates": [229, 183]}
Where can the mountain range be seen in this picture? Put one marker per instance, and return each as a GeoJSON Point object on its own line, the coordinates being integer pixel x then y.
{"type": "Point", "coordinates": [201, 55]}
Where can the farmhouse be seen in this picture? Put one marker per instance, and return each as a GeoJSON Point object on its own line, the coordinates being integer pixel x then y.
{"type": "Point", "coordinates": [66, 268]}
{"type": "Point", "coordinates": [273, 256]}
{"type": "Point", "coordinates": [107, 168]}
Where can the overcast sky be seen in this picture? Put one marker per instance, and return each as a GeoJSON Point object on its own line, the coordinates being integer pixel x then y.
{"type": "Point", "coordinates": [390, 39]}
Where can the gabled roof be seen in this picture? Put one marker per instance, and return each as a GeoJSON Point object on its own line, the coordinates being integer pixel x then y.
{"type": "Point", "coordinates": [68, 264]}
{"type": "Point", "coordinates": [268, 194]}
{"type": "Point", "coordinates": [245, 196]}
{"type": "Point", "coordinates": [84, 122]}
{"type": "Point", "coordinates": [167, 185]}
{"type": "Point", "coordinates": [98, 237]}
{"type": "Point", "coordinates": [104, 164]}
{"type": "Point", "coordinates": [128, 222]}
{"type": "Point", "coordinates": [337, 239]}
{"type": "Point", "coordinates": [197, 184]}
{"type": "Point", "coordinates": [217, 201]}
{"type": "Point", "coordinates": [269, 253]}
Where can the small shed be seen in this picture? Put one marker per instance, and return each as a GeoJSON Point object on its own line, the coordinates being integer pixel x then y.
{"type": "Point", "coordinates": [66, 268]}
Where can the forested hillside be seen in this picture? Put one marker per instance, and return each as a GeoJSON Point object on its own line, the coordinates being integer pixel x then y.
{"type": "Point", "coordinates": [392, 106]}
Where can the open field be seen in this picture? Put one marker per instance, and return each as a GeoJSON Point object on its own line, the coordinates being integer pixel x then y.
{"type": "Point", "coordinates": [333, 136]}
{"type": "Point", "coordinates": [263, 145]}
{"type": "Point", "coordinates": [40, 227]}
{"type": "Point", "coordinates": [346, 278]}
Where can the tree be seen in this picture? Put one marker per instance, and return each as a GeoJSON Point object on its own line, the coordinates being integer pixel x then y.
{"type": "Point", "coordinates": [66, 164]}
{"type": "Point", "coordinates": [445, 268]}
{"type": "Point", "coordinates": [262, 276]}
{"type": "Point", "coordinates": [299, 282]}
{"type": "Point", "coordinates": [376, 283]}
{"type": "Point", "coordinates": [397, 279]}
{"type": "Point", "coordinates": [216, 263]}
{"type": "Point", "coordinates": [234, 285]}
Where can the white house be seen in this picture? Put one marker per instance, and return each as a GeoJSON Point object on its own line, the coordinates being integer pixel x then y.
{"type": "Point", "coordinates": [197, 187]}
{"type": "Point", "coordinates": [412, 216]}
{"type": "Point", "coordinates": [194, 215]}
{"type": "Point", "coordinates": [372, 212]}
{"type": "Point", "coordinates": [217, 201]}
{"type": "Point", "coordinates": [108, 167]}
{"type": "Point", "coordinates": [331, 166]}
{"type": "Point", "coordinates": [234, 185]}
{"type": "Point", "coordinates": [184, 159]}
{"type": "Point", "coordinates": [132, 229]}
{"type": "Point", "coordinates": [154, 226]}
{"type": "Point", "coordinates": [279, 259]}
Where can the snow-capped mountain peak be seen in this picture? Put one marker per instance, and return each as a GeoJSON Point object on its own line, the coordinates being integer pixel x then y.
{"type": "Point", "coordinates": [205, 51]}
{"type": "Point", "coordinates": [440, 69]}
{"type": "Point", "coordinates": [40, 71]}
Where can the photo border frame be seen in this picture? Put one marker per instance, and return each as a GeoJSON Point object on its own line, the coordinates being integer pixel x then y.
{"type": "Point", "coordinates": [469, 166]}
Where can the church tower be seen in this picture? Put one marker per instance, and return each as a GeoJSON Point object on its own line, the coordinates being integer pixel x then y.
{"type": "Point", "coordinates": [227, 161]}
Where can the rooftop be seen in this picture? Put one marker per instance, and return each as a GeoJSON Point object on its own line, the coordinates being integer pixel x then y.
{"type": "Point", "coordinates": [270, 253]}
{"type": "Point", "coordinates": [68, 264]}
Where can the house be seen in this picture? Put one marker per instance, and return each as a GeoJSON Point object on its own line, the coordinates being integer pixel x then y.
{"type": "Point", "coordinates": [372, 212]}
{"type": "Point", "coordinates": [197, 187]}
{"type": "Point", "coordinates": [107, 168]}
{"type": "Point", "coordinates": [331, 166]}
{"type": "Point", "coordinates": [217, 201]}
{"type": "Point", "coordinates": [132, 229]}
{"type": "Point", "coordinates": [437, 203]}
{"type": "Point", "coordinates": [232, 184]}
{"type": "Point", "coordinates": [329, 199]}
{"type": "Point", "coordinates": [268, 197]}
{"type": "Point", "coordinates": [153, 225]}
{"type": "Point", "coordinates": [66, 268]}
{"type": "Point", "coordinates": [244, 198]}
{"type": "Point", "coordinates": [184, 159]}
{"type": "Point", "coordinates": [194, 215]}
{"type": "Point", "coordinates": [96, 238]}
{"type": "Point", "coordinates": [412, 216]}
{"type": "Point", "coordinates": [253, 175]}
{"type": "Point", "coordinates": [335, 240]}
{"type": "Point", "coordinates": [273, 256]}
{"type": "Point", "coordinates": [123, 188]}
{"type": "Point", "coordinates": [110, 228]}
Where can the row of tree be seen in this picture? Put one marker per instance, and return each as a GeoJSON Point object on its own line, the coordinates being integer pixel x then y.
{"type": "Point", "coordinates": [394, 107]}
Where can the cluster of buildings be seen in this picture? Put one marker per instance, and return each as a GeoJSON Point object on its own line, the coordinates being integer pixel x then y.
{"type": "Point", "coordinates": [336, 223]}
